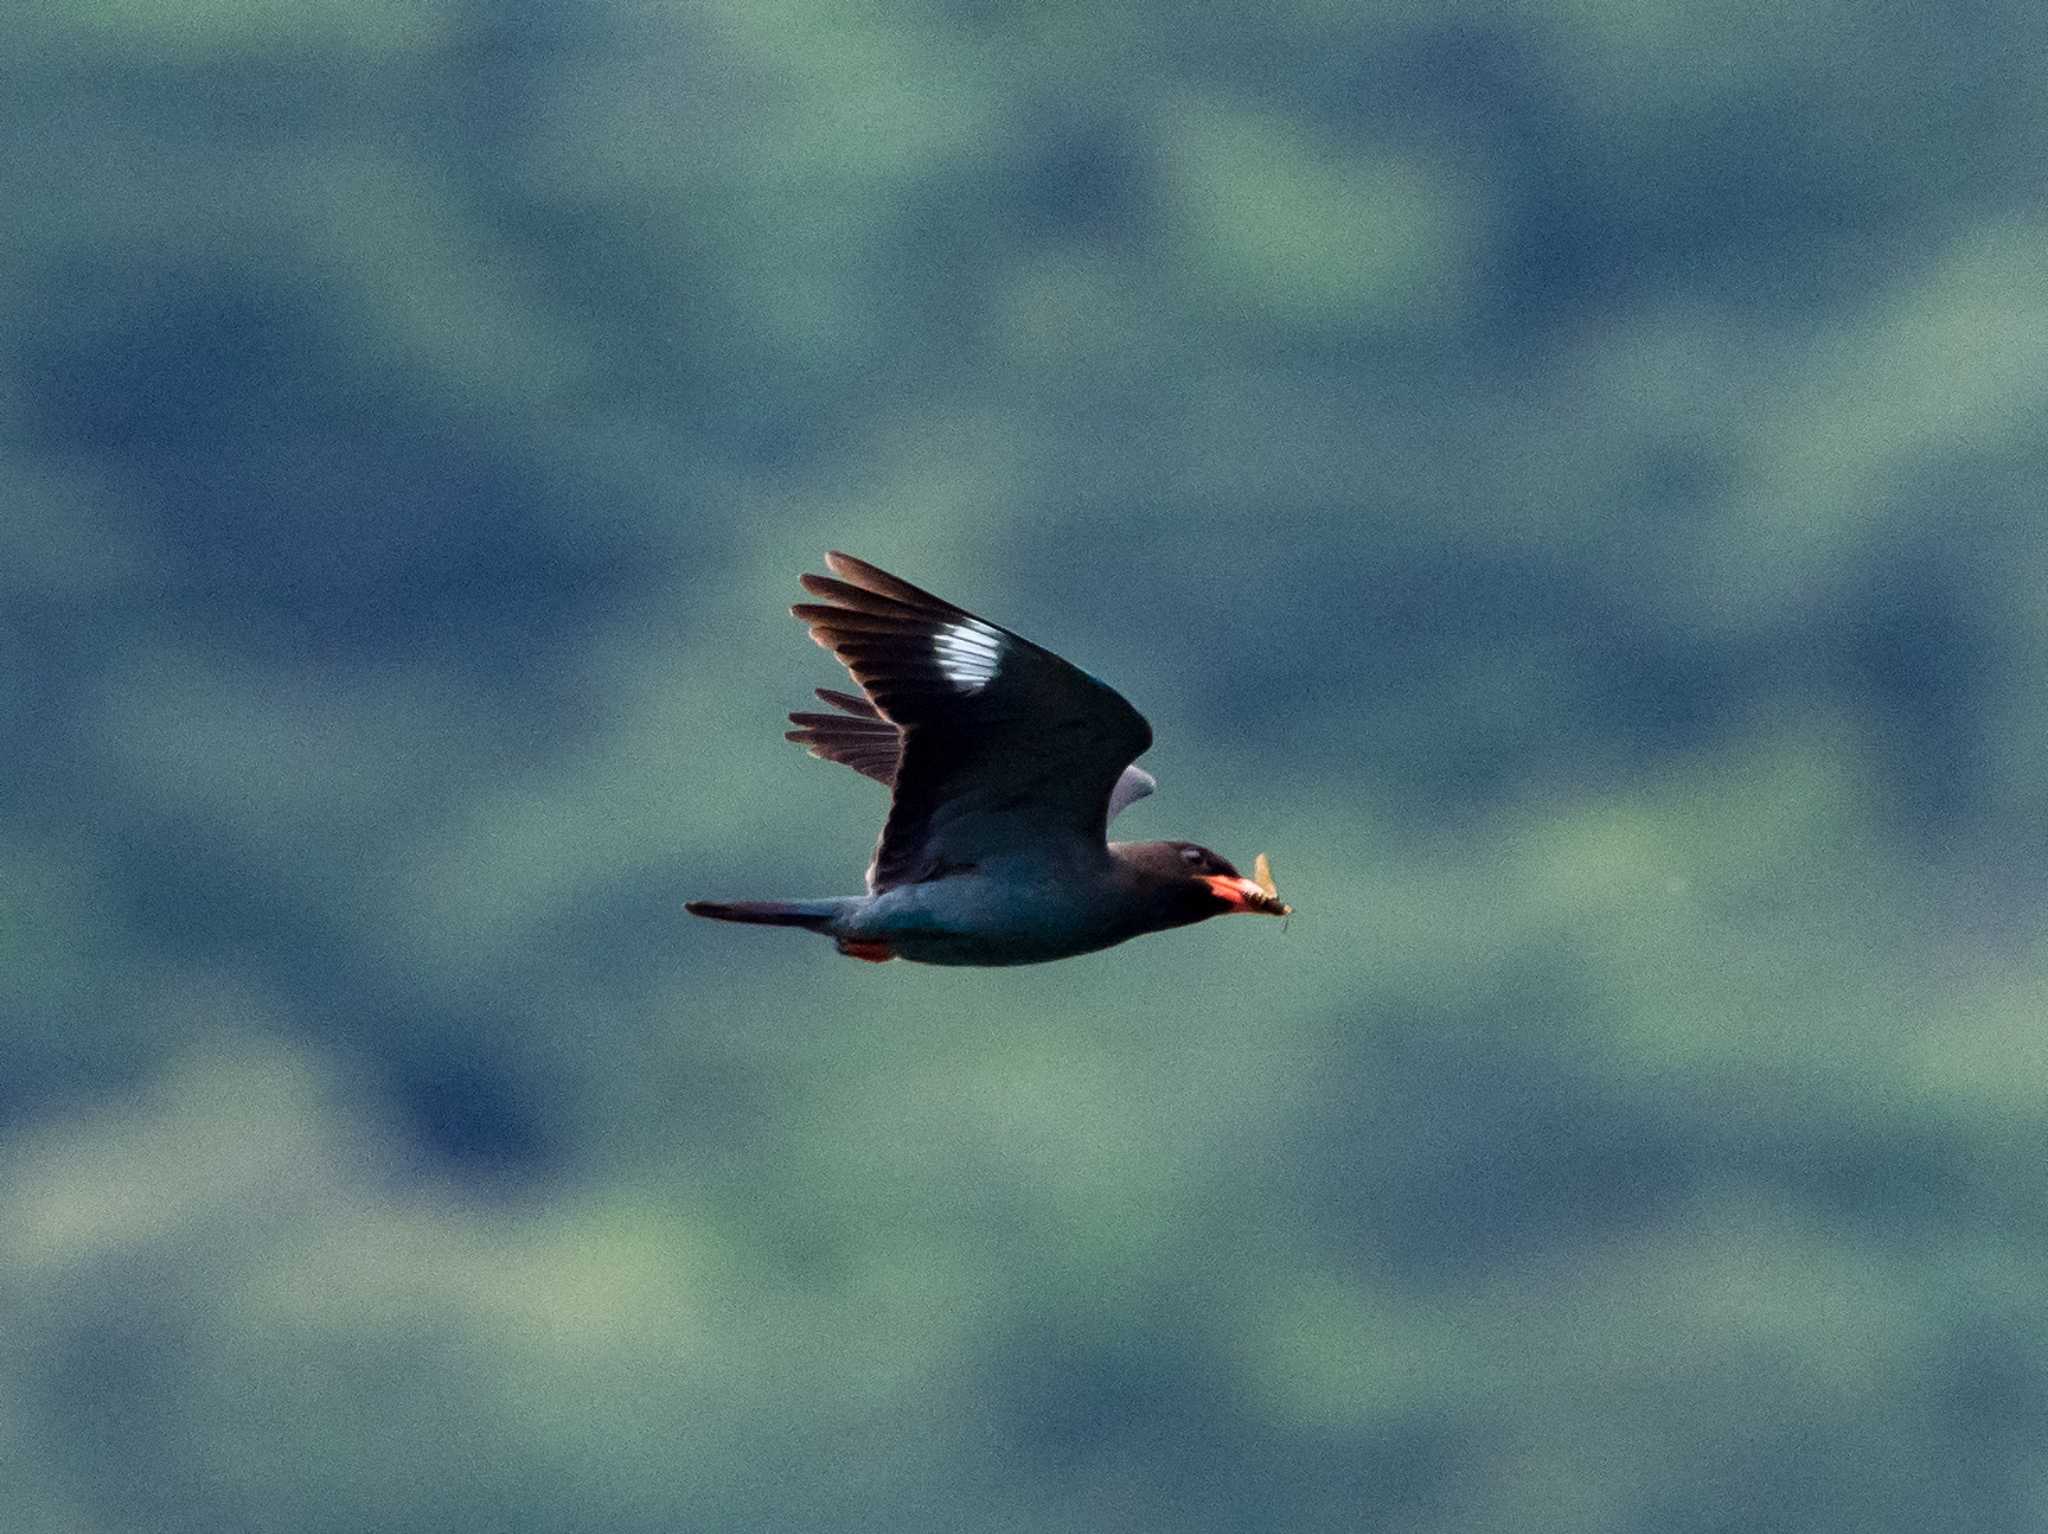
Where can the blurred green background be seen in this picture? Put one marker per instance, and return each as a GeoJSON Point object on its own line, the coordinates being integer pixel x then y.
{"type": "Point", "coordinates": [1566, 480]}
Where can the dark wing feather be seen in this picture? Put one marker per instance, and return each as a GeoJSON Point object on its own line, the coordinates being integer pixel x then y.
{"type": "Point", "coordinates": [856, 736]}
{"type": "Point", "coordinates": [1004, 747]}
{"type": "Point", "coordinates": [871, 745]}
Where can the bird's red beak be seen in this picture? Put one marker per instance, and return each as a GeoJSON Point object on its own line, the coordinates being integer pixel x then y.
{"type": "Point", "coordinates": [1255, 896]}
{"type": "Point", "coordinates": [1256, 893]}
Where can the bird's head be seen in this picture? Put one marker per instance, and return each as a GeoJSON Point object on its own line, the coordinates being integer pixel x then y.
{"type": "Point", "coordinates": [1192, 884]}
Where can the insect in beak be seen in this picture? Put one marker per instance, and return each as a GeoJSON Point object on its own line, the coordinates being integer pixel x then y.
{"type": "Point", "coordinates": [1262, 876]}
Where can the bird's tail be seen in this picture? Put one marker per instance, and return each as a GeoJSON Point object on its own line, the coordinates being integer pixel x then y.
{"type": "Point", "coordinates": [813, 915]}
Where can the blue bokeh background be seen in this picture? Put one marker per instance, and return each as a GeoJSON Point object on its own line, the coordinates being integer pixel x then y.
{"type": "Point", "coordinates": [1567, 481]}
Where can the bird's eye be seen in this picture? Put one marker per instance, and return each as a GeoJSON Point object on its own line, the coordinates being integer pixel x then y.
{"type": "Point", "coordinates": [1192, 856]}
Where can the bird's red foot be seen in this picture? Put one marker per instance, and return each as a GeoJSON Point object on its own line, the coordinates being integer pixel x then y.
{"type": "Point", "coordinates": [874, 953]}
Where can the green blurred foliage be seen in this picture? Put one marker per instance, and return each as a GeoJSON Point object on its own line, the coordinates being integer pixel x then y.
{"type": "Point", "coordinates": [1568, 482]}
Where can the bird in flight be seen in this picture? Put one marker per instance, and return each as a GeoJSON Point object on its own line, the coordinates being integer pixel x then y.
{"type": "Point", "coordinates": [1005, 765]}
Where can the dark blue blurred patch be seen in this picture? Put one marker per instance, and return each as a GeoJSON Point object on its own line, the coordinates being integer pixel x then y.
{"type": "Point", "coordinates": [1993, 1378]}
{"type": "Point", "coordinates": [1151, 1405]}
{"type": "Point", "coordinates": [1915, 654]}
{"type": "Point", "coordinates": [188, 889]}
{"type": "Point", "coordinates": [304, 508]}
{"type": "Point", "coordinates": [1474, 1131]}
{"type": "Point", "coordinates": [1070, 178]}
{"type": "Point", "coordinates": [475, 1119]}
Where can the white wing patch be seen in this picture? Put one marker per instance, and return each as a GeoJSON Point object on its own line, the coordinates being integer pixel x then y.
{"type": "Point", "coordinates": [968, 653]}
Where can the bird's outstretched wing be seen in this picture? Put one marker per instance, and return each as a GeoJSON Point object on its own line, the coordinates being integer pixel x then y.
{"type": "Point", "coordinates": [1002, 746]}
{"type": "Point", "coordinates": [857, 736]}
